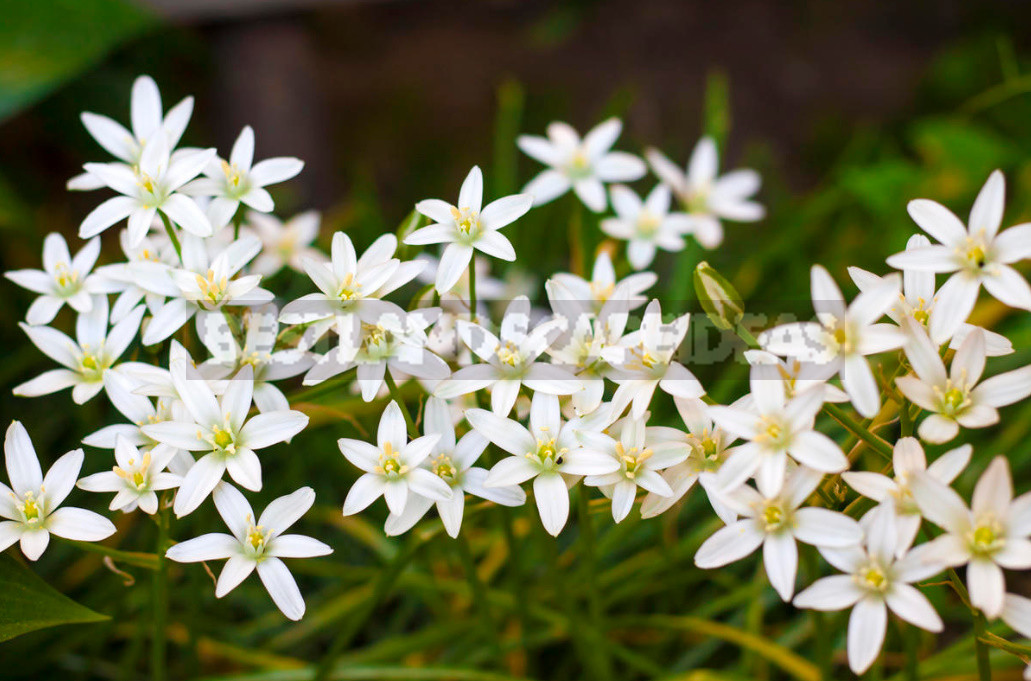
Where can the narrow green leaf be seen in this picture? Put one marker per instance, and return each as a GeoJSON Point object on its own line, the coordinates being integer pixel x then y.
{"type": "Point", "coordinates": [27, 603]}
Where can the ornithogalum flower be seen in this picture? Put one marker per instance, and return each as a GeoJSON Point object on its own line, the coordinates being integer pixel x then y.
{"type": "Point", "coordinates": [137, 477]}
{"type": "Point", "coordinates": [63, 279]}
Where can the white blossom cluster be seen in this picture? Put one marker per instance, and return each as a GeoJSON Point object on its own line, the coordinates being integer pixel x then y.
{"type": "Point", "coordinates": [564, 394]}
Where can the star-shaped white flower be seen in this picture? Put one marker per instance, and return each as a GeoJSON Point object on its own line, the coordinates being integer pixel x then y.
{"type": "Point", "coordinates": [646, 225]}
{"type": "Point", "coordinates": [594, 293]}
{"type": "Point", "coordinates": [467, 227]}
{"type": "Point", "coordinates": [640, 459]}
{"type": "Point", "coordinates": [256, 545]}
{"type": "Point", "coordinates": [918, 298]}
{"type": "Point", "coordinates": [148, 187]}
{"type": "Point", "coordinates": [452, 461]}
{"type": "Point", "coordinates": [30, 504]}
{"type": "Point", "coordinates": [643, 361]}
{"type": "Point", "coordinates": [707, 451]}
{"type": "Point", "coordinates": [908, 459]}
{"type": "Point", "coordinates": [86, 359]}
{"type": "Point", "coordinates": [146, 122]}
{"type": "Point", "coordinates": [955, 398]}
{"type": "Point", "coordinates": [392, 466]}
{"type": "Point", "coordinates": [707, 197]}
{"type": "Point", "coordinates": [63, 279]}
{"type": "Point", "coordinates": [240, 180]}
{"type": "Point", "coordinates": [776, 522]}
{"type": "Point", "coordinates": [978, 253]}
{"type": "Point", "coordinates": [798, 376]}
{"type": "Point", "coordinates": [776, 428]}
{"type": "Point", "coordinates": [396, 343]}
{"type": "Point", "coordinates": [221, 431]}
{"type": "Point", "coordinates": [877, 579]}
{"type": "Point", "coordinates": [204, 284]}
{"type": "Point", "coordinates": [988, 537]}
{"type": "Point", "coordinates": [583, 165]}
{"type": "Point", "coordinates": [842, 336]}
{"type": "Point", "coordinates": [284, 244]}
{"type": "Point", "coordinates": [544, 452]}
{"type": "Point", "coordinates": [136, 478]}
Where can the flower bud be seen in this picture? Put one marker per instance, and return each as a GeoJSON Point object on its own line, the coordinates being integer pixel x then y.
{"type": "Point", "coordinates": [718, 297]}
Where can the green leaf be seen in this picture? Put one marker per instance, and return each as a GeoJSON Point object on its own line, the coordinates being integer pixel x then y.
{"type": "Point", "coordinates": [27, 603]}
{"type": "Point", "coordinates": [42, 44]}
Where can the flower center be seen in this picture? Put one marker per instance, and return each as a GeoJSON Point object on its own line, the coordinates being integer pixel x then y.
{"type": "Point", "coordinates": [234, 177]}
{"type": "Point", "coordinates": [349, 289]}
{"type": "Point", "coordinates": [390, 465]}
{"type": "Point", "coordinates": [212, 289]}
{"type": "Point", "coordinates": [443, 467]}
{"type": "Point", "coordinates": [632, 460]}
{"type": "Point", "coordinates": [974, 252]}
{"type": "Point", "coordinates": [579, 166]}
{"type": "Point", "coordinates": [987, 537]}
{"type": "Point", "coordinates": [952, 399]}
{"type": "Point", "coordinates": [641, 359]}
{"type": "Point", "coordinates": [647, 224]}
{"type": "Point", "coordinates": [548, 454]}
{"type": "Point", "coordinates": [135, 478]}
{"type": "Point", "coordinates": [773, 517]}
{"type": "Point", "coordinates": [223, 439]}
{"type": "Point", "coordinates": [31, 508]}
{"type": "Point", "coordinates": [773, 432]}
{"type": "Point", "coordinates": [921, 313]}
{"type": "Point", "coordinates": [91, 366]}
{"type": "Point", "coordinates": [873, 578]}
{"type": "Point", "coordinates": [841, 338]}
{"type": "Point", "coordinates": [377, 342]}
{"type": "Point", "coordinates": [256, 540]}
{"type": "Point", "coordinates": [66, 279]}
{"type": "Point", "coordinates": [508, 353]}
{"type": "Point", "coordinates": [467, 221]}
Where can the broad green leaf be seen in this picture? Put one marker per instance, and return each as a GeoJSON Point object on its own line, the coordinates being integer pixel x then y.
{"type": "Point", "coordinates": [27, 603]}
{"type": "Point", "coordinates": [42, 44]}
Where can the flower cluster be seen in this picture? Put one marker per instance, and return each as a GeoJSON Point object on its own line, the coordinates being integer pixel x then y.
{"type": "Point", "coordinates": [565, 394]}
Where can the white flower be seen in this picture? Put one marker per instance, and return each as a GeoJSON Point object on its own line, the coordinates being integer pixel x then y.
{"type": "Point", "coordinates": [544, 452]}
{"type": "Point", "coordinates": [978, 254]}
{"type": "Point", "coordinates": [918, 299]}
{"type": "Point", "coordinates": [799, 376]}
{"type": "Point", "coordinates": [707, 451]}
{"type": "Point", "coordinates": [602, 286]}
{"type": "Point", "coordinates": [908, 460]}
{"type": "Point", "coordinates": [148, 187]}
{"type": "Point", "coordinates": [157, 256]}
{"type": "Point", "coordinates": [706, 197]}
{"type": "Point", "coordinates": [30, 504]}
{"type": "Point", "coordinates": [284, 244]}
{"type": "Point", "coordinates": [582, 165]}
{"type": "Point", "coordinates": [392, 466]}
{"type": "Point", "coordinates": [877, 579]}
{"type": "Point", "coordinates": [842, 336]}
{"type": "Point", "coordinates": [468, 226]}
{"type": "Point", "coordinates": [63, 279]}
{"type": "Point", "coordinates": [202, 284]}
{"type": "Point", "coordinates": [990, 536]}
{"type": "Point", "coordinates": [147, 121]}
{"type": "Point", "coordinates": [640, 459]}
{"type": "Point", "coordinates": [646, 225]}
{"type": "Point", "coordinates": [643, 361]}
{"type": "Point", "coordinates": [261, 332]}
{"type": "Point", "coordinates": [236, 181]}
{"type": "Point", "coordinates": [396, 343]}
{"type": "Point", "coordinates": [510, 361]}
{"type": "Point", "coordinates": [257, 545]}
{"type": "Point", "coordinates": [452, 462]}
{"type": "Point", "coordinates": [955, 399]}
{"type": "Point", "coordinates": [1016, 613]}
{"type": "Point", "coordinates": [222, 431]}
{"type": "Point", "coordinates": [775, 428]}
{"type": "Point", "coordinates": [85, 360]}
{"type": "Point", "coordinates": [350, 287]}
{"type": "Point", "coordinates": [136, 478]}
{"type": "Point", "coordinates": [776, 522]}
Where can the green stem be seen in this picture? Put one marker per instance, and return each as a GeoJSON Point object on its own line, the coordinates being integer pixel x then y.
{"type": "Point", "coordinates": [479, 594]}
{"type": "Point", "coordinates": [984, 665]}
{"type": "Point", "coordinates": [158, 671]}
{"type": "Point", "coordinates": [905, 419]}
{"type": "Point", "coordinates": [472, 287]}
{"type": "Point", "coordinates": [590, 561]}
{"type": "Point", "coordinates": [911, 637]}
{"type": "Point", "coordinates": [859, 430]}
{"type": "Point", "coordinates": [147, 561]}
{"type": "Point", "coordinates": [413, 432]}
{"type": "Point", "coordinates": [170, 230]}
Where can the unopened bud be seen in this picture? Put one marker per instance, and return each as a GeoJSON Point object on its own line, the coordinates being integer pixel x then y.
{"type": "Point", "coordinates": [718, 297]}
